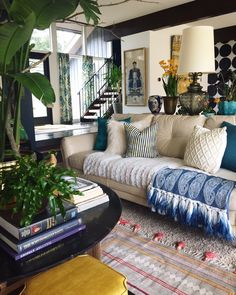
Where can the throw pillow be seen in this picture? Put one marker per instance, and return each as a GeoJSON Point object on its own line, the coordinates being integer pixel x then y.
{"type": "Point", "coordinates": [101, 138]}
{"type": "Point", "coordinates": [229, 159]}
{"type": "Point", "coordinates": [116, 141]}
{"type": "Point", "coordinates": [205, 149]}
{"type": "Point", "coordinates": [141, 143]}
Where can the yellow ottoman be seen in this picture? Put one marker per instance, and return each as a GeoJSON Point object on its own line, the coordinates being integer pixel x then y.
{"type": "Point", "coordinates": [83, 275]}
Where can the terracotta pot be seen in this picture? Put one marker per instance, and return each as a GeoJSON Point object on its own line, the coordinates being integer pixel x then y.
{"type": "Point", "coordinates": [170, 103]}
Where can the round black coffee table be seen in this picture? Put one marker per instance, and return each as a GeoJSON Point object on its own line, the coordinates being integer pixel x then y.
{"type": "Point", "coordinates": [99, 221]}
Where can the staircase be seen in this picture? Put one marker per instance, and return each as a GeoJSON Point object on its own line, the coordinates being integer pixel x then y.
{"type": "Point", "coordinates": [96, 97]}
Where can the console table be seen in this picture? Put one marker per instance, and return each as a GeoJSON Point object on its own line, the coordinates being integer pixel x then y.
{"type": "Point", "coordinates": [99, 222]}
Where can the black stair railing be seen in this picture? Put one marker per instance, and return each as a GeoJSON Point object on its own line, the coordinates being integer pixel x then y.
{"type": "Point", "coordinates": [93, 90]}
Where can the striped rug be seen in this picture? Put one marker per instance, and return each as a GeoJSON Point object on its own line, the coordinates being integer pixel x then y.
{"type": "Point", "coordinates": [155, 269]}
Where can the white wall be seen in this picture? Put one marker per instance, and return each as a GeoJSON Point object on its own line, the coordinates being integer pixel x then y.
{"type": "Point", "coordinates": [158, 48]}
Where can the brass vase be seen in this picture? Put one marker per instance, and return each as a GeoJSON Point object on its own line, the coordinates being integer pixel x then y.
{"type": "Point", "coordinates": [170, 103]}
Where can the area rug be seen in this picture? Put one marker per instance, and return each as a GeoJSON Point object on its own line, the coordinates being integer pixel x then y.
{"type": "Point", "coordinates": [196, 242]}
{"type": "Point", "coordinates": [152, 268]}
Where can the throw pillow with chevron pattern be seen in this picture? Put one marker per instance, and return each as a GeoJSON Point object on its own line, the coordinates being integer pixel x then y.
{"type": "Point", "coordinates": [141, 143]}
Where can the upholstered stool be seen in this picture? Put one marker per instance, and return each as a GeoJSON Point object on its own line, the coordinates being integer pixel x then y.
{"type": "Point", "coordinates": [83, 275]}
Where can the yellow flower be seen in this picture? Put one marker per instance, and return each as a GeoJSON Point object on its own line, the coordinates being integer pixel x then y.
{"type": "Point", "coordinates": [216, 100]}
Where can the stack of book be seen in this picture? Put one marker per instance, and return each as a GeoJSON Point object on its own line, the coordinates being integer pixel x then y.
{"type": "Point", "coordinates": [93, 194]}
{"type": "Point", "coordinates": [45, 230]}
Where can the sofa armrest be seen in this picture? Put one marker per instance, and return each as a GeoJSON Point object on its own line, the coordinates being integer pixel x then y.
{"type": "Point", "coordinates": [74, 144]}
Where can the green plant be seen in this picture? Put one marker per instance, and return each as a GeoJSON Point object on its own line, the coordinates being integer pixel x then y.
{"type": "Point", "coordinates": [18, 19]}
{"type": "Point", "coordinates": [114, 77]}
{"type": "Point", "coordinates": [30, 183]}
{"type": "Point", "coordinates": [169, 78]}
{"type": "Point", "coordinates": [227, 84]}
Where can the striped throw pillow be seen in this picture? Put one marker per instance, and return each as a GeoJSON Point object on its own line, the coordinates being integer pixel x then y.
{"type": "Point", "coordinates": [141, 143]}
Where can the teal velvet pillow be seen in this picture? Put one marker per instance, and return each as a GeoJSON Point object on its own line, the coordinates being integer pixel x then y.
{"type": "Point", "coordinates": [229, 159]}
{"type": "Point", "coordinates": [101, 138]}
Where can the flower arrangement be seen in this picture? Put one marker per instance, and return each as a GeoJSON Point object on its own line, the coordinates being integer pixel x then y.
{"type": "Point", "coordinates": [169, 78]}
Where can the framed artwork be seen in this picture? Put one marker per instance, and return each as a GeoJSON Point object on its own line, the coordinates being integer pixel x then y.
{"type": "Point", "coordinates": [135, 77]}
{"type": "Point", "coordinates": [183, 81]}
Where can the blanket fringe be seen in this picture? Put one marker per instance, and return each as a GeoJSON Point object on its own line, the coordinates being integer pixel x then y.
{"type": "Point", "coordinates": [191, 212]}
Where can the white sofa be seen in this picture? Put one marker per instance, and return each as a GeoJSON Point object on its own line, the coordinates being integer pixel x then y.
{"type": "Point", "coordinates": [173, 134]}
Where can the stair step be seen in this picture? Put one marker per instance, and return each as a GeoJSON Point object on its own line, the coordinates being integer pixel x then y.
{"type": "Point", "coordinates": [93, 111]}
{"type": "Point", "coordinates": [90, 117]}
{"type": "Point", "coordinates": [94, 107]}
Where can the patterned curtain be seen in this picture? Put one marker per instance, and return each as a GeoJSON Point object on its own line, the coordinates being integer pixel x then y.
{"type": "Point", "coordinates": [64, 88]}
{"type": "Point", "coordinates": [88, 71]}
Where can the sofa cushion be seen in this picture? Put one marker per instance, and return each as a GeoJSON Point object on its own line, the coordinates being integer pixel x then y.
{"type": "Point", "coordinates": [206, 148]}
{"type": "Point", "coordinates": [229, 159]}
{"type": "Point", "coordinates": [216, 121]}
{"type": "Point", "coordinates": [134, 117]}
{"type": "Point", "coordinates": [77, 160]}
{"type": "Point", "coordinates": [101, 138]}
{"type": "Point", "coordinates": [141, 143]}
{"type": "Point", "coordinates": [116, 141]}
{"type": "Point", "coordinates": [174, 133]}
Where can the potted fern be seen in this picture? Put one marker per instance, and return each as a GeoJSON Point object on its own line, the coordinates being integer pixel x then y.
{"type": "Point", "coordinates": [114, 78]}
{"type": "Point", "coordinates": [32, 185]}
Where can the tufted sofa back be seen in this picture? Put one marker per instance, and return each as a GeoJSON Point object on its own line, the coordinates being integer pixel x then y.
{"type": "Point", "coordinates": [174, 131]}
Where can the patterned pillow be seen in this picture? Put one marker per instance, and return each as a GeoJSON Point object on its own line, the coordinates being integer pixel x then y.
{"type": "Point", "coordinates": [141, 143]}
{"type": "Point", "coordinates": [205, 149]}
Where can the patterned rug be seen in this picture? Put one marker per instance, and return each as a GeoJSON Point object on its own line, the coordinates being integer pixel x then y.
{"type": "Point", "coordinates": [197, 243]}
{"type": "Point", "coordinates": [152, 268]}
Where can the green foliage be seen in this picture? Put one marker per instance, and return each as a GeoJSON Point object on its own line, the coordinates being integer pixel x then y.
{"type": "Point", "coordinates": [21, 18]}
{"type": "Point", "coordinates": [38, 84]}
{"type": "Point", "coordinates": [91, 10]}
{"type": "Point", "coordinates": [31, 183]}
{"type": "Point", "coordinates": [114, 77]}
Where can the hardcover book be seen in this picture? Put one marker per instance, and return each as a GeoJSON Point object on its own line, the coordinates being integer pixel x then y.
{"type": "Point", "coordinates": [87, 195]}
{"type": "Point", "coordinates": [34, 249]}
{"type": "Point", "coordinates": [22, 245]}
{"type": "Point", "coordinates": [92, 203]}
{"type": "Point", "coordinates": [81, 183]}
{"type": "Point", "coordinates": [42, 222]}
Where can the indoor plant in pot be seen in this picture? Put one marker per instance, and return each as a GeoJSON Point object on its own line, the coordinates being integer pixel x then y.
{"type": "Point", "coordinates": [170, 84]}
{"type": "Point", "coordinates": [18, 19]}
{"type": "Point", "coordinates": [32, 185]}
{"type": "Point", "coordinates": [114, 78]}
{"type": "Point", "coordinates": [227, 88]}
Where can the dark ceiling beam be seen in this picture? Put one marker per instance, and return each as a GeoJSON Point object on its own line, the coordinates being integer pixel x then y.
{"type": "Point", "coordinates": [225, 34]}
{"type": "Point", "coordinates": [174, 16]}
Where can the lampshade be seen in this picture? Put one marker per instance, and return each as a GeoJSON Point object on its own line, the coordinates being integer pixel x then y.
{"type": "Point", "coordinates": [197, 50]}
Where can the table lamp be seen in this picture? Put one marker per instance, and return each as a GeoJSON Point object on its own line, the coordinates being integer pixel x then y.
{"type": "Point", "coordinates": [196, 57]}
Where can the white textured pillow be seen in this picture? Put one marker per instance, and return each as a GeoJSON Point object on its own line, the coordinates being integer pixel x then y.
{"type": "Point", "coordinates": [205, 149]}
{"type": "Point", "coordinates": [116, 139]}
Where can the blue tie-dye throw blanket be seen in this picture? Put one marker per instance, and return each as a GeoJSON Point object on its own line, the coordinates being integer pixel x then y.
{"type": "Point", "coordinates": [194, 198]}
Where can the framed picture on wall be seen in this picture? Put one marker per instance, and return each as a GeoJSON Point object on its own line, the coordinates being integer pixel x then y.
{"type": "Point", "coordinates": [135, 77]}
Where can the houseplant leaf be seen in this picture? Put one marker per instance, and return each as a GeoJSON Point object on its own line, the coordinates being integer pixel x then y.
{"type": "Point", "coordinates": [91, 10]}
{"type": "Point", "coordinates": [48, 11]}
{"type": "Point", "coordinates": [38, 84]}
{"type": "Point", "coordinates": [13, 36]}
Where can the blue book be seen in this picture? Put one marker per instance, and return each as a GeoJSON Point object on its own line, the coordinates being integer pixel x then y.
{"type": "Point", "coordinates": [23, 245]}
{"type": "Point", "coordinates": [41, 222]}
{"type": "Point", "coordinates": [34, 249]}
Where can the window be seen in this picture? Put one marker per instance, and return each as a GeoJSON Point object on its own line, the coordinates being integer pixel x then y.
{"type": "Point", "coordinates": [67, 40]}
{"type": "Point", "coordinates": [41, 114]}
{"type": "Point", "coordinates": [41, 39]}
